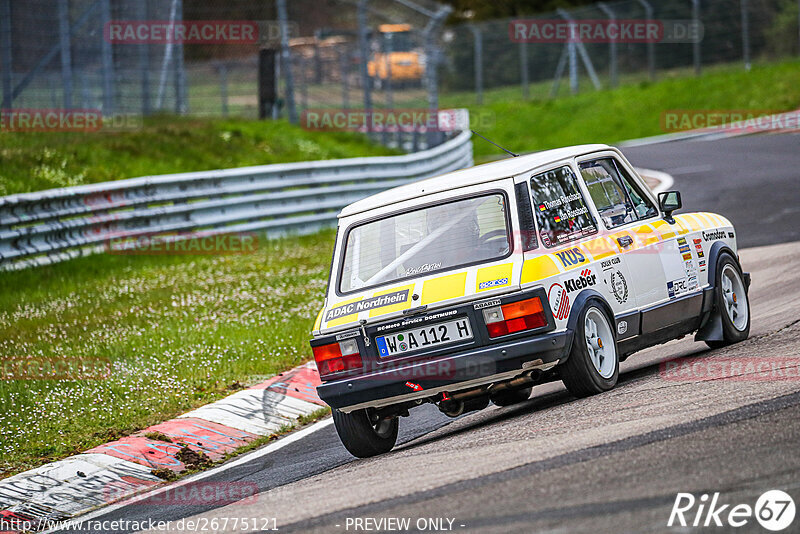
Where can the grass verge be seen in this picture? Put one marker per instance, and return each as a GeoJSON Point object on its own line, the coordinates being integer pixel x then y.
{"type": "Point", "coordinates": [176, 332]}
{"type": "Point", "coordinates": [33, 161]}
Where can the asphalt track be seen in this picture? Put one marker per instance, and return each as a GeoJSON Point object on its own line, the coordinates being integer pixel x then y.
{"type": "Point", "coordinates": [610, 463]}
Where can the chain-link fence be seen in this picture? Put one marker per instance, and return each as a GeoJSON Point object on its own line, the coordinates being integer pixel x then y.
{"type": "Point", "coordinates": [125, 57]}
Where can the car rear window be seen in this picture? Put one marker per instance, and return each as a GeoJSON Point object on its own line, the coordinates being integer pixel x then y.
{"type": "Point", "coordinates": [426, 240]}
{"type": "Point", "coordinates": [560, 209]}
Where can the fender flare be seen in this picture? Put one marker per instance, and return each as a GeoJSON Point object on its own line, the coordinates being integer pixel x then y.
{"type": "Point", "coordinates": [711, 322]}
{"type": "Point", "coordinates": [577, 308]}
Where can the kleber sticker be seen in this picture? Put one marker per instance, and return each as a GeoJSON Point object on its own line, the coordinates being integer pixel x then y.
{"type": "Point", "coordinates": [367, 304]}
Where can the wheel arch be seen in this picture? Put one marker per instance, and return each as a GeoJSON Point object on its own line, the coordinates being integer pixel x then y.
{"type": "Point", "coordinates": [711, 323]}
{"type": "Point", "coordinates": [577, 307]}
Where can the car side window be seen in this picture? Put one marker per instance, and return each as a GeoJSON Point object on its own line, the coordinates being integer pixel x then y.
{"type": "Point", "coordinates": [560, 209]}
{"type": "Point", "coordinates": [614, 193]}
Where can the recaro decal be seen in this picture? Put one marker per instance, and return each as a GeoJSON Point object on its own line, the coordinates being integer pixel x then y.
{"type": "Point", "coordinates": [571, 257]}
{"type": "Point", "coordinates": [367, 304]}
{"type": "Point", "coordinates": [587, 278]}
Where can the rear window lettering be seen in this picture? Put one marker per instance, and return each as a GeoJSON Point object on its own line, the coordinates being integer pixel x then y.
{"type": "Point", "coordinates": [561, 211]}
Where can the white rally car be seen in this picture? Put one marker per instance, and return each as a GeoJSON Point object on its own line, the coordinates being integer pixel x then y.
{"type": "Point", "coordinates": [476, 285]}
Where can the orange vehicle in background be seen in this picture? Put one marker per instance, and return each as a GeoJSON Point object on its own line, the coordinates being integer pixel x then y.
{"type": "Point", "coordinates": [396, 59]}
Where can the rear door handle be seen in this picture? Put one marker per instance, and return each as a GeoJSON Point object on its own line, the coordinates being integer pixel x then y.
{"type": "Point", "coordinates": [625, 241]}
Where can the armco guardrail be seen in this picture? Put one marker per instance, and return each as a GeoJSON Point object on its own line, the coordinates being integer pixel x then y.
{"type": "Point", "coordinates": [56, 224]}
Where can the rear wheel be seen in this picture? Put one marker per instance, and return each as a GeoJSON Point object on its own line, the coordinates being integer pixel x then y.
{"type": "Point", "coordinates": [732, 303]}
{"type": "Point", "coordinates": [363, 437]}
{"type": "Point", "coordinates": [507, 398]}
{"type": "Point", "coordinates": [593, 363]}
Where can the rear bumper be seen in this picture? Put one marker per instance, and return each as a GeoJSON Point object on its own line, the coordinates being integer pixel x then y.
{"type": "Point", "coordinates": [388, 385]}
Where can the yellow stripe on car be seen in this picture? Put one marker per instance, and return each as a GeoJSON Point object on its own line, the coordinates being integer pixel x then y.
{"type": "Point", "coordinates": [663, 228]}
{"type": "Point", "coordinates": [647, 235]}
{"type": "Point", "coordinates": [444, 287]}
{"type": "Point", "coordinates": [539, 268]}
{"type": "Point", "coordinates": [393, 307]}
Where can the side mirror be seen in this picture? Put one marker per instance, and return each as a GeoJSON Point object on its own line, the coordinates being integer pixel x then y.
{"type": "Point", "coordinates": [669, 201]}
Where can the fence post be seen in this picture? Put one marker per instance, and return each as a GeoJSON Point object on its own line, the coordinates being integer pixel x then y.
{"type": "Point", "coordinates": [478, 56]}
{"type": "Point", "coordinates": [144, 62]}
{"type": "Point", "coordinates": [5, 52]}
{"type": "Point", "coordinates": [364, 52]}
{"type": "Point", "coordinates": [345, 71]}
{"type": "Point", "coordinates": [66, 51]}
{"type": "Point", "coordinates": [523, 63]}
{"type": "Point", "coordinates": [612, 45]}
{"type": "Point", "coordinates": [107, 59]}
{"type": "Point", "coordinates": [181, 105]}
{"type": "Point", "coordinates": [696, 43]}
{"type": "Point", "coordinates": [745, 35]}
{"type": "Point", "coordinates": [223, 87]}
{"type": "Point", "coordinates": [651, 53]}
{"type": "Point", "coordinates": [286, 60]}
{"type": "Point", "coordinates": [432, 54]}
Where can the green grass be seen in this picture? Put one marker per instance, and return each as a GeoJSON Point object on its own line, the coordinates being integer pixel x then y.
{"type": "Point", "coordinates": [629, 112]}
{"type": "Point", "coordinates": [32, 161]}
{"type": "Point", "coordinates": [178, 331]}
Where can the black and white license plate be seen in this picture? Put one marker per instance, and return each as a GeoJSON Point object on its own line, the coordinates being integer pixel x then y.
{"type": "Point", "coordinates": [420, 338]}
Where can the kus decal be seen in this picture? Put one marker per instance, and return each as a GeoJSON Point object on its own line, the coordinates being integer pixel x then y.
{"type": "Point", "coordinates": [713, 236]}
{"type": "Point", "coordinates": [571, 257]}
{"type": "Point", "coordinates": [619, 287]}
{"type": "Point", "coordinates": [367, 304]}
{"type": "Point", "coordinates": [559, 301]}
{"type": "Point", "coordinates": [493, 283]}
{"type": "Point", "coordinates": [586, 279]}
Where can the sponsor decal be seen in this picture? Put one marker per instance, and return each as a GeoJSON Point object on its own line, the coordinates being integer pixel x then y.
{"type": "Point", "coordinates": [424, 268]}
{"type": "Point", "coordinates": [485, 304]}
{"type": "Point", "coordinates": [681, 241]}
{"type": "Point", "coordinates": [425, 319]}
{"type": "Point", "coordinates": [702, 263]}
{"type": "Point", "coordinates": [713, 236]}
{"type": "Point", "coordinates": [687, 256]}
{"type": "Point", "coordinates": [493, 283]}
{"type": "Point", "coordinates": [684, 248]}
{"type": "Point", "coordinates": [347, 335]}
{"type": "Point", "coordinates": [697, 241]}
{"type": "Point", "coordinates": [619, 287]}
{"type": "Point", "coordinates": [367, 304]}
{"type": "Point", "coordinates": [415, 387]}
{"type": "Point", "coordinates": [622, 327]}
{"type": "Point", "coordinates": [731, 235]}
{"type": "Point", "coordinates": [559, 301]}
{"type": "Point", "coordinates": [607, 265]}
{"type": "Point", "coordinates": [586, 279]}
{"type": "Point", "coordinates": [676, 288]}
{"type": "Point", "coordinates": [700, 254]}
{"type": "Point", "coordinates": [557, 218]}
{"type": "Point", "coordinates": [571, 257]}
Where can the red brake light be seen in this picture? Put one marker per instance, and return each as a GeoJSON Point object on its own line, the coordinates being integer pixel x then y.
{"type": "Point", "coordinates": [337, 357]}
{"type": "Point", "coordinates": [514, 317]}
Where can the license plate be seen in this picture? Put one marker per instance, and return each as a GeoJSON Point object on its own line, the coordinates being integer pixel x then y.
{"type": "Point", "coordinates": [420, 338]}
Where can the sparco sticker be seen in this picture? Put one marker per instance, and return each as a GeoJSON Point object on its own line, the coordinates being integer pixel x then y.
{"type": "Point", "coordinates": [367, 304]}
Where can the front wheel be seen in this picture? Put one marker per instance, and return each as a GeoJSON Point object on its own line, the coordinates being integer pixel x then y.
{"type": "Point", "coordinates": [732, 303]}
{"type": "Point", "coordinates": [361, 436]}
{"type": "Point", "coordinates": [593, 364]}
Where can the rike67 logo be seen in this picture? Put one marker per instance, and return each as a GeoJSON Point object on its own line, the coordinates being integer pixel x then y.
{"type": "Point", "coordinates": [774, 510]}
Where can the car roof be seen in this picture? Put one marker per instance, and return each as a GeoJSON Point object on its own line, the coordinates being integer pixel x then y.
{"type": "Point", "coordinates": [488, 172]}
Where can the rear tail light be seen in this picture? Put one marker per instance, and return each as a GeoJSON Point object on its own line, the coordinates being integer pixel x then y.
{"type": "Point", "coordinates": [337, 357]}
{"type": "Point", "coordinates": [515, 317]}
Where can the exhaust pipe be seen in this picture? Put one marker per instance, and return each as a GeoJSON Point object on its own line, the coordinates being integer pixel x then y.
{"type": "Point", "coordinates": [477, 399]}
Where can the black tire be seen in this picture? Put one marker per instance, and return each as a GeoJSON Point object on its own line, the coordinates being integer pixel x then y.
{"type": "Point", "coordinates": [730, 332]}
{"type": "Point", "coordinates": [515, 396]}
{"type": "Point", "coordinates": [360, 437]}
{"type": "Point", "coordinates": [579, 374]}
